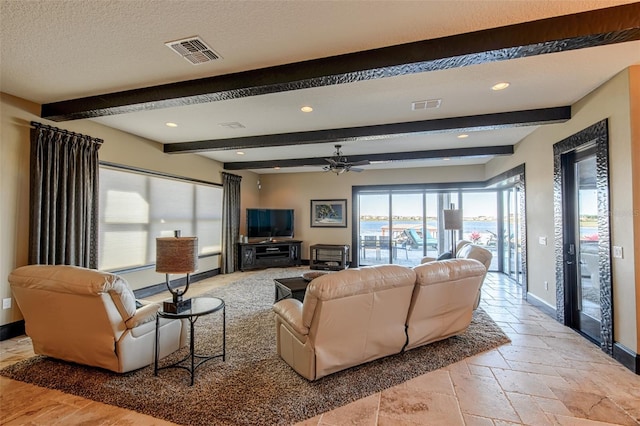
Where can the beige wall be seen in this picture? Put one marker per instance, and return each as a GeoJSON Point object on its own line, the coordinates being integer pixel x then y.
{"type": "Point", "coordinates": [118, 147]}
{"type": "Point", "coordinates": [634, 92]}
{"type": "Point", "coordinates": [610, 101]}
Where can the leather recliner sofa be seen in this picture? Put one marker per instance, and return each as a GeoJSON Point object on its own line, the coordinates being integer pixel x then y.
{"type": "Point", "coordinates": [358, 315]}
{"type": "Point", "coordinates": [90, 317]}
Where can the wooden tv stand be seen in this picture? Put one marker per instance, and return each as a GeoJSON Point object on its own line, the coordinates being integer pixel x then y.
{"type": "Point", "coordinates": [268, 254]}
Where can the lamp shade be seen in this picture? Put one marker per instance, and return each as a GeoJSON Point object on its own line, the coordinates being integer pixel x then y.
{"type": "Point", "coordinates": [452, 219]}
{"type": "Point", "coordinates": [176, 255]}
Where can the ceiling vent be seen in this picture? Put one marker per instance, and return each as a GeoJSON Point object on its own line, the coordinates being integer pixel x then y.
{"type": "Point", "coordinates": [429, 104]}
{"type": "Point", "coordinates": [194, 50]}
{"type": "Point", "coordinates": [232, 125]}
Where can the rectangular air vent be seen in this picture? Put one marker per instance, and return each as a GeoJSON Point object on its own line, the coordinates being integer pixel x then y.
{"type": "Point", "coordinates": [232, 125]}
{"type": "Point", "coordinates": [428, 104]}
{"type": "Point", "coordinates": [194, 50]}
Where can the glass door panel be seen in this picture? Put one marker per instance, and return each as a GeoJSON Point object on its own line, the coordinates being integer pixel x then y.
{"type": "Point", "coordinates": [374, 218]}
{"type": "Point", "coordinates": [434, 242]}
{"type": "Point", "coordinates": [581, 258]}
{"type": "Point", "coordinates": [448, 201]}
{"type": "Point", "coordinates": [407, 238]}
{"type": "Point", "coordinates": [511, 233]}
{"type": "Point", "coordinates": [480, 221]}
{"type": "Point", "coordinates": [588, 296]}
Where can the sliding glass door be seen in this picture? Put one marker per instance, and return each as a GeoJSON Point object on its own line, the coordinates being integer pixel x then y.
{"type": "Point", "coordinates": [401, 226]}
{"type": "Point", "coordinates": [398, 227]}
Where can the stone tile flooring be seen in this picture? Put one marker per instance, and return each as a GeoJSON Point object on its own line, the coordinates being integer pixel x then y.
{"type": "Point", "coordinates": [547, 375]}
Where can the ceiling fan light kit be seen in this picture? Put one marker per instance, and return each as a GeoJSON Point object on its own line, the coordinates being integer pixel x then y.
{"type": "Point", "coordinates": [339, 164]}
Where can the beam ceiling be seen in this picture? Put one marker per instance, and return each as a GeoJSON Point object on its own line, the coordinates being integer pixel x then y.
{"type": "Point", "coordinates": [558, 34]}
{"type": "Point", "coordinates": [563, 33]}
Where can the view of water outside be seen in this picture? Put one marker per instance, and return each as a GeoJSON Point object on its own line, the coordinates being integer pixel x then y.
{"type": "Point", "coordinates": [480, 225]}
{"type": "Point", "coordinates": [480, 211]}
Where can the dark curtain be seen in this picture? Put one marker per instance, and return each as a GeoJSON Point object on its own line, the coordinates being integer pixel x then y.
{"type": "Point", "coordinates": [64, 198]}
{"type": "Point", "coordinates": [230, 220]}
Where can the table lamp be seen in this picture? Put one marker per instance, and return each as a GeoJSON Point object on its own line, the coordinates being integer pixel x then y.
{"type": "Point", "coordinates": [453, 222]}
{"type": "Point", "coordinates": [177, 255]}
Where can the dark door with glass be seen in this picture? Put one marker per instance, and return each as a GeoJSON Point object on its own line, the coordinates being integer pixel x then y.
{"type": "Point", "coordinates": [581, 259]}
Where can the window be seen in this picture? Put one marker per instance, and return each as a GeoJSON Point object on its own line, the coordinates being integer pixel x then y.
{"type": "Point", "coordinates": [137, 207]}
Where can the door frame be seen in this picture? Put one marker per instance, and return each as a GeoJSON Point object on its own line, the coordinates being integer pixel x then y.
{"type": "Point", "coordinates": [598, 134]}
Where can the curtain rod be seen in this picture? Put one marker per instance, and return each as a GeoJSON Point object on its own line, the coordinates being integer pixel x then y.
{"type": "Point", "coordinates": [68, 132]}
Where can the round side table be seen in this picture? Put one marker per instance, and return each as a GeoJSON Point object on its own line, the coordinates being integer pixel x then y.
{"type": "Point", "coordinates": [200, 306]}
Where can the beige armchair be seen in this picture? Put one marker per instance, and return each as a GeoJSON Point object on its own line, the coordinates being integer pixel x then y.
{"type": "Point", "coordinates": [467, 250]}
{"type": "Point", "coordinates": [90, 317]}
{"type": "Point", "coordinates": [347, 318]}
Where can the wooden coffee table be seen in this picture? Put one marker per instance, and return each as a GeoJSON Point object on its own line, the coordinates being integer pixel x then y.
{"type": "Point", "coordinates": [290, 287]}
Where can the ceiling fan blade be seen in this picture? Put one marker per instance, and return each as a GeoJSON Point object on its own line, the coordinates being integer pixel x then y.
{"type": "Point", "coordinates": [355, 169]}
{"type": "Point", "coordinates": [361, 163]}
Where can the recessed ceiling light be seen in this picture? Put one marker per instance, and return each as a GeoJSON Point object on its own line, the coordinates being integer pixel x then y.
{"type": "Point", "coordinates": [500, 86]}
{"type": "Point", "coordinates": [306, 109]}
{"type": "Point", "coordinates": [446, 159]}
{"type": "Point", "coordinates": [277, 168]}
{"type": "Point", "coordinates": [463, 136]}
{"type": "Point", "coordinates": [240, 152]}
{"type": "Point", "coordinates": [171, 124]}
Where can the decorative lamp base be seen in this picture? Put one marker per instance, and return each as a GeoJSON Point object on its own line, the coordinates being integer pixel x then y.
{"type": "Point", "coordinates": [176, 307]}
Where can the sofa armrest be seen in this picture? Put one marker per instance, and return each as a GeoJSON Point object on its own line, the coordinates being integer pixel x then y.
{"type": "Point", "coordinates": [143, 315]}
{"type": "Point", "coordinates": [290, 312]}
{"type": "Point", "coordinates": [427, 259]}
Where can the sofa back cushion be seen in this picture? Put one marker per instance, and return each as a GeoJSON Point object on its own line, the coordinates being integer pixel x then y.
{"type": "Point", "coordinates": [443, 299]}
{"type": "Point", "coordinates": [473, 251]}
{"type": "Point", "coordinates": [460, 244]}
{"type": "Point", "coordinates": [79, 281]}
{"type": "Point", "coordinates": [357, 315]}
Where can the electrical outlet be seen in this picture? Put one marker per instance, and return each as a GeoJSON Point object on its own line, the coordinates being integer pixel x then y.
{"type": "Point", "coordinates": [617, 252]}
{"type": "Point", "coordinates": [6, 303]}
{"type": "Point", "coordinates": [546, 285]}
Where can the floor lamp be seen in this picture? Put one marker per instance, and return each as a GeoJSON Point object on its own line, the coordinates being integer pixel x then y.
{"type": "Point", "coordinates": [453, 222]}
{"type": "Point", "coordinates": [177, 255]}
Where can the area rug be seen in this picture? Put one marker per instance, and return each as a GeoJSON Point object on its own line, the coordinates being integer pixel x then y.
{"type": "Point", "coordinates": [254, 386]}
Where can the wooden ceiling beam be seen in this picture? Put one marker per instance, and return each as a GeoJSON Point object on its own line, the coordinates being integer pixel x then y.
{"type": "Point", "coordinates": [382, 158]}
{"type": "Point", "coordinates": [381, 131]}
{"type": "Point", "coordinates": [563, 33]}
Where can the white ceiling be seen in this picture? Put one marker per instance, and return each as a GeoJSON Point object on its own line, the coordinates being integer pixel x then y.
{"type": "Point", "coordinates": [58, 50]}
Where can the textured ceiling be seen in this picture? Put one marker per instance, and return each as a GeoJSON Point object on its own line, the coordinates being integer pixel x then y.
{"type": "Point", "coordinates": [58, 50]}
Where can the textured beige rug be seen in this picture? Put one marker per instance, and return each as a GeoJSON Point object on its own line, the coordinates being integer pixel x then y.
{"type": "Point", "coordinates": [254, 386]}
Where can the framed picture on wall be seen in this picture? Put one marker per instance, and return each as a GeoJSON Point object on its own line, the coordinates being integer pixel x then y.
{"type": "Point", "coordinates": [329, 213]}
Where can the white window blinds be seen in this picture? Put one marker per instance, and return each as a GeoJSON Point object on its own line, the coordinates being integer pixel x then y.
{"type": "Point", "coordinates": [137, 207]}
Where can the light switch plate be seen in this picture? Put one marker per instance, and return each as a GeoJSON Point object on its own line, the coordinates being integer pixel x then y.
{"type": "Point", "coordinates": [6, 303]}
{"type": "Point", "coordinates": [617, 252]}
{"type": "Point", "coordinates": [542, 241]}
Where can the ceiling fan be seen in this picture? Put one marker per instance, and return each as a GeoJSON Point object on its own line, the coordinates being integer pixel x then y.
{"type": "Point", "coordinates": [338, 164]}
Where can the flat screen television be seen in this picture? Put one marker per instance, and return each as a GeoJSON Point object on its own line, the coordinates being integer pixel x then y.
{"type": "Point", "coordinates": [269, 223]}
